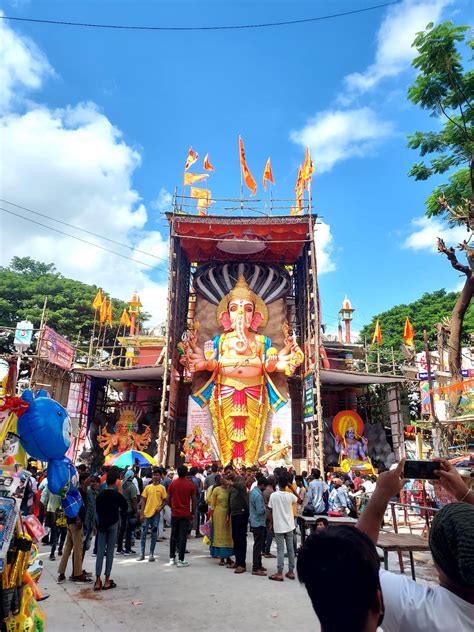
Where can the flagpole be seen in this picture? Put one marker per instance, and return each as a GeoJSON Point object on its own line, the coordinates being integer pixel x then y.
{"type": "Point", "coordinates": [115, 342]}
{"type": "Point", "coordinates": [103, 343]}
{"type": "Point", "coordinates": [91, 344]}
{"type": "Point", "coordinates": [98, 341]}
{"type": "Point", "coordinates": [378, 358]}
{"type": "Point", "coordinates": [241, 182]}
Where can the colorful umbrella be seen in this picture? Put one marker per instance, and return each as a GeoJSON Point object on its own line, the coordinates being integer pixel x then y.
{"type": "Point", "coordinates": [128, 458]}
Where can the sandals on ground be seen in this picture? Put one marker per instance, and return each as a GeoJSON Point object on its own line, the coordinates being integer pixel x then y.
{"type": "Point", "coordinates": [111, 585]}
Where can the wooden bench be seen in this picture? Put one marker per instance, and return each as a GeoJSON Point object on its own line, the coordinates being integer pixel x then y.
{"type": "Point", "coordinates": [401, 543]}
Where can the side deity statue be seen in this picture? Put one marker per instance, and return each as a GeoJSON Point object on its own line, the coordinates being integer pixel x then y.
{"type": "Point", "coordinates": [349, 442]}
{"type": "Point", "coordinates": [240, 392]}
{"type": "Point", "coordinates": [197, 448]}
{"type": "Point", "coordinates": [276, 453]}
{"type": "Point", "coordinates": [125, 435]}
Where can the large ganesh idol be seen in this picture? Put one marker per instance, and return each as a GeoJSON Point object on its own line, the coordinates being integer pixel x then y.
{"type": "Point", "coordinates": [240, 392]}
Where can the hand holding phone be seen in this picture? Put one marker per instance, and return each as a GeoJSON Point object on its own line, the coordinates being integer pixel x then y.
{"type": "Point", "coordinates": [425, 470]}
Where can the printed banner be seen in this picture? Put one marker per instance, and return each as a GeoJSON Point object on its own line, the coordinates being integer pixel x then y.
{"type": "Point", "coordinates": [308, 386]}
{"type": "Point", "coordinates": [55, 349]}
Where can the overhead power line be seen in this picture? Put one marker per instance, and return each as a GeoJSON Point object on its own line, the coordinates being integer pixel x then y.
{"type": "Point", "coordinates": [84, 241]}
{"type": "Point", "coordinates": [221, 27]}
{"type": "Point", "coordinates": [84, 230]}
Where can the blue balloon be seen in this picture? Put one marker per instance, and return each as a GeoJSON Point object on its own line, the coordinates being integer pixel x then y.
{"type": "Point", "coordinates": [44, 428]}
{"type": "Point", "coordinates": [72, 503]}
{"type": "Point", "coordinates": [62, 476]}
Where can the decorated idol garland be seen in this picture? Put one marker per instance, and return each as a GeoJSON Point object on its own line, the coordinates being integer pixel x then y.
{"type": "Point", "coordinates": [44, 430]}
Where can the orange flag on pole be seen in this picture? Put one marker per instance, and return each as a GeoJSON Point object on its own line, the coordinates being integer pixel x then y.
{"type": "Point", "coordinates": [203, 199]}
{"type": "Point", "coordinates": [125, 319]}
{"type": "Point", "coordinates": [103, 312]}
{"type": "Point", "coordinates": [110, 315]}
{"type": "Point", "coordinates": [299, 186]}
{"type": "Point", "coordinates": [248, 177]}
{"type": "Point", "coordinates": [408, 333]}
{"type": "Point", "coordinates": [192, 158]}
{"type": "Point", "coordinates": [308, 168]}
{"type": "Point", "coordinates": [206, 164]}
{"type": "Point", "coordinates": [192, 178]}
{"type": "Point", "coordinates": [97, 302]}
{"type": "Point", "coordinates": [267, 174]}
{"type": "Point", "coordinates": [199, 193]}
{"type": "Point", "coordinates": [377, 337]}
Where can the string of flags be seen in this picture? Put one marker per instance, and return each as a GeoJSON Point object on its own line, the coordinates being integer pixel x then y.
{"type": "Point", "coordinates": [204, 196]}
{"type": "Point", "coordinates": [465, 385]}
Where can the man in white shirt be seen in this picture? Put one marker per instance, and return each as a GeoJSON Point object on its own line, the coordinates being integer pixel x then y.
{"type": "Point", "coordinates": [411, 607]}
{"type": "Point", "coordinates": [283, 522]}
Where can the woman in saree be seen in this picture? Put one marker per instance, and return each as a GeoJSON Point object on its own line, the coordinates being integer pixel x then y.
{"type": "Point", "coordinates": [222, 545]}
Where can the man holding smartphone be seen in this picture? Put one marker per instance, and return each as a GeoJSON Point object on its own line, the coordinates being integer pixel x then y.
{"type": "Point", "coordinates": [409, 606]}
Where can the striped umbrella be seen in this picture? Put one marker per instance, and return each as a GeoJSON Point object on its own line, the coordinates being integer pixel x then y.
{"type": "Point", "coordinates": [131, 457]}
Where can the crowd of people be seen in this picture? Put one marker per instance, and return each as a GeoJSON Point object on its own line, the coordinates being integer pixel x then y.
{"type": "Point", "coordinates": [121, 508]}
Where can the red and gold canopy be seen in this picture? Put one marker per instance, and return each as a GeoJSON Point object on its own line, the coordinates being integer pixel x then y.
{"type": "Point", "coordinates": [278, 239]}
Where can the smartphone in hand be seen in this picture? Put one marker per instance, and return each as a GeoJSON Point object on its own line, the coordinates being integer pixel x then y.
{"type": "Point", "coordinates": [421, 469]}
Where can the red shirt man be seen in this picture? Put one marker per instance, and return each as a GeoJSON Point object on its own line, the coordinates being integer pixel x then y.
{"type": "Point", "coordinates": [182, 499]}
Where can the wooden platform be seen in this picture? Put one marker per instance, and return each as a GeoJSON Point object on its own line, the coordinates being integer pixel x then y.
{"type": "Point", "coordinates": [401, 543]}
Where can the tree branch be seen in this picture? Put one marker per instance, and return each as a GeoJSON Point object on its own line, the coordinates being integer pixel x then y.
{"type": "Point", "coordinates": [461, 214]}
{"type": "Point", "coordinates": [461, 127]}
{"type": "Point", "coordinates": [451, 255]}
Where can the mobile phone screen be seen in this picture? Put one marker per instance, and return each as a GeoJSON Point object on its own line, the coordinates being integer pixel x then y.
{"type": "Point", "coordinates": [421, 469]}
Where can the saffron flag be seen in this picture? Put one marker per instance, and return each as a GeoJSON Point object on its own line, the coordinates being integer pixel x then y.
{"type": "Point", "coordinates": [192, 158]}
{"type": "Point", "coordinates": [299, 186]}
{"type": "Point", "coordinates": [308, 168]}
{"type": "Point", "coordinates": [203, 203]}
{"type": "Point", "coordinates": [248, 177]}
{"type": "Point", "coordinates": [192, 178]}
{"type": "Point", "coordinates": [110, 316]}
{"type": "Point", "coordinates": [125, 319]}
{"type": "Point", "coordinates": [199, 193]}
{"type": "Point", "coordinates": [97, 302]}
{"type": "Point", "coordinates": [206, 164]}
{"type": "Point", "coordinates": [377, 337]}
{"type": "Point", "coordinates": [408, 333]}
{"type": "Point", "coordinates": [103, 312]}
{"type": "Point", "coordinates": [267, 174]}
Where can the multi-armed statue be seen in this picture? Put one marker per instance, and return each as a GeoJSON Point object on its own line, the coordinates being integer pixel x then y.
{"type": "Point", "coordinates": [240, 392]}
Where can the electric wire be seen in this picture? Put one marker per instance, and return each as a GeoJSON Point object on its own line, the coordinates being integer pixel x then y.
{"type": "Point", "coordinates": [89, 232]}
{"type": "Point", "coordinates": [84, 241]}
{"type": "Point", "coordinates": [222, 27]}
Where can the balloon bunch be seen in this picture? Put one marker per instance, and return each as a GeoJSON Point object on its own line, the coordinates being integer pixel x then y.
{"type": "Point", "coordinates": [44, 431]}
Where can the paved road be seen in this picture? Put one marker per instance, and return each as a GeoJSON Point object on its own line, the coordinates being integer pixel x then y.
{"type": "Point", "coordinates": [202, 597]}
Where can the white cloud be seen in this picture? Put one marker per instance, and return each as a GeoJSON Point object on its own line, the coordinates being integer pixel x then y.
{"type": "Point", "coordinates": [23, 66]}
{"type": "Point", "coordinates": [394, 42]}
{"type": "Point", "coordinates": [163, 201]}
{"type": "Point", "coordinates": [425, 232]}
{"type": "Point", "coordinates": [324, 247]}
{"type": "Point", "coordinates": [72, 164]}
{"type": "Point", "coordinates": [336, 135]}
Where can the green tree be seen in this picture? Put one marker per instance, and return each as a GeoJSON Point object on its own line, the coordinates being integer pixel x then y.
{"type": "Point", "coordinates": [25, 284]}
{"type": "Point", "coordinates": [446, 91]}
{"type": "Point", "coordinates": [424, 313]}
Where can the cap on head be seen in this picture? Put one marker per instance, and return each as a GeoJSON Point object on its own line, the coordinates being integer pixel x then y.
{"type": "Point", "coordinates": [452, 542]}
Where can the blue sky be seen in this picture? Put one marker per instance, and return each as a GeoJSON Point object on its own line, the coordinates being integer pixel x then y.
{"type": "Point", "coordinates": [96, 125]}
